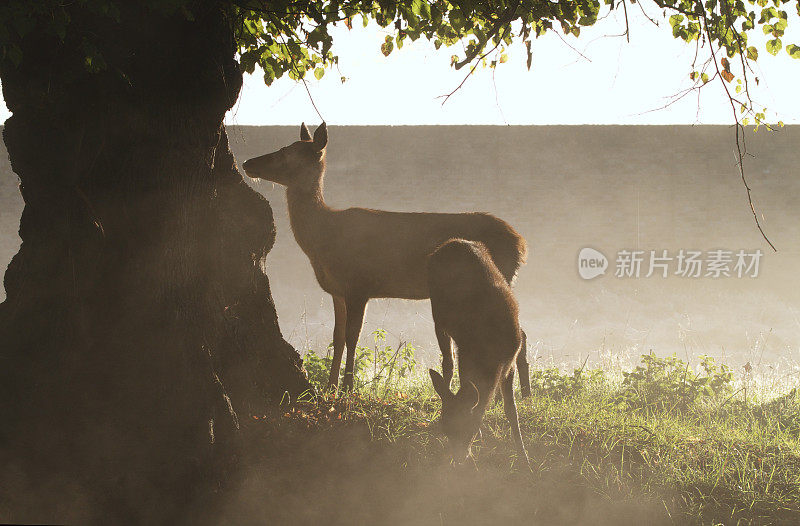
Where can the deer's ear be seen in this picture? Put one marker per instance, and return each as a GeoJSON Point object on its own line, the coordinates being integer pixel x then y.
{"type": "Point", "coordinates": [304, 133]}
{"type": "Point", "coordinates": [440, 386]}
{"type": "Point", "coordinates": [321, 137]}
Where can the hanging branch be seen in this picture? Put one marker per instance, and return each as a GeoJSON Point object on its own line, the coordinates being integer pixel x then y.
{"type": "Point", "coordinates": [739, 131]}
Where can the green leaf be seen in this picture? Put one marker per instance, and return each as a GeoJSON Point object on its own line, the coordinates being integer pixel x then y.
{"type": "Point", "coordinates": [752, 53]}
{"type": "Point", "coordinates": [773, 46]}
{"type": "Point", "coordinates": [457, 20]}
{"type": "Point", "coordinates": [793, 50]}
{"type": "Point", "coordinates": [767, 14]}
{"type": "Point", "coordinates": [319, 73]}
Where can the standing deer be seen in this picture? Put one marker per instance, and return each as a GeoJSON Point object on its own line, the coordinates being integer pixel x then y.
{"type": "Point", "coordinates": [359, 253]}
{"type": "Point", "coordinates": [472, 302]}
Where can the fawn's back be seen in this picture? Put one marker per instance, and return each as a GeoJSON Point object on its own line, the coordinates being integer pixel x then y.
{"type": "Point", "coordinates": [472, 301]}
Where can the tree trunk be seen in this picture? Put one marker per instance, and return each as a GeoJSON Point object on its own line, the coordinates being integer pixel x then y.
{"type": "Point", "coordinates": [139, 334]}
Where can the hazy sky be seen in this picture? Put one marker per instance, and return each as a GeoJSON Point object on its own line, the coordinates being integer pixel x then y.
{"type": "Point", "coordinates": [597, 79]}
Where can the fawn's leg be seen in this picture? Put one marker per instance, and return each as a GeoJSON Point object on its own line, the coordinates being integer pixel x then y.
{"type": "Point", "coordinates": [511, 414]}
{"type": "Point", "coordinates": [523, 368]}
{"type": "Point", "coordinates": [340, 315]}
{"type": "Point", "coordinates": [446, 346]}
{"type": "Point", "coordinates": [355, 318]}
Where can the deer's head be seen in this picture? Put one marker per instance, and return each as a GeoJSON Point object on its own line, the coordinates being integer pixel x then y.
{"type": "Point", "coordinates": [298, 165]}
{"type": "Point", "coordinates": [461, 418]}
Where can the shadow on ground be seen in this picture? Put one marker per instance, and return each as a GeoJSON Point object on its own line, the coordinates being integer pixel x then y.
{"type": "Point", "coordinates": [341, 476]}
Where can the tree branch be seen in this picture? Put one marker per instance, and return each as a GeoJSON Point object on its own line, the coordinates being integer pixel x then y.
{"type": "Point", "coordinates": [739, 131]}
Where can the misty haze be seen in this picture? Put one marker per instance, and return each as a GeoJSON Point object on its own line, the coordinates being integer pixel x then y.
{"type": "Point", "coordinates": [631, 188]}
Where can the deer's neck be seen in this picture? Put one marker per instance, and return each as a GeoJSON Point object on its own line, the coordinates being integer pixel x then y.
{"type": "Point", "coordinates": [309, 217]}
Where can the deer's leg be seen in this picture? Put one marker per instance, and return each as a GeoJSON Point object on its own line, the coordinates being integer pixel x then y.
{"type": "Point", "coordinates": [446, 346]}
{"type": "Point", "coordinates": [510, 407]}
{"type": "Point", "coordinates": [340, 315]}
{"type": "Point", "coordinates": [523, 368]}
{"type": "Point", "coordinates": [355, 318]}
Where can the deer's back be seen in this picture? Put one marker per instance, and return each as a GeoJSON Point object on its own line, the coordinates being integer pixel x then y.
{"type": "Point", "coordinates": [384, 254]}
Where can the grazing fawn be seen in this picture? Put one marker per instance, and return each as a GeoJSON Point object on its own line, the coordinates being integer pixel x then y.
{"type": "Point", "coordinates": [359, 253]}
{"type": "Point", "coordinates": [472, 302]}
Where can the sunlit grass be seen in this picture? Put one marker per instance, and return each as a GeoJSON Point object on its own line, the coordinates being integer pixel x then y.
{"type": "Point", "coordinates": [708, 455]}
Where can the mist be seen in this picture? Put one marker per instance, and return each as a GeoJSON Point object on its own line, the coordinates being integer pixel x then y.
{"type": "Point", "coordinates": [646, 188]}
{"type": "Point", "coordinates": [631, 188]}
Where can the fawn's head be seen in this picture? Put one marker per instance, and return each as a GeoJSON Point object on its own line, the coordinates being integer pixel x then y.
{"type": "Point", "coordinates": [299, 165]}
{"type": "Point", "coordinates": [461, 418]}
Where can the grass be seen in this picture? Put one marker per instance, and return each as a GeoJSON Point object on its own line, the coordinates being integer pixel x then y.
{"type": "Point", "coordinates": [664, 443]}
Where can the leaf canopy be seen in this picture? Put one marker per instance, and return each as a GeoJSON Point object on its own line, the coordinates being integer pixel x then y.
{"type": "Point", "coordinates": [293, 37]}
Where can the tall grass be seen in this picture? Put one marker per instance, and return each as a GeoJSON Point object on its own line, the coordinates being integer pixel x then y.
{"type": "Point", "coordinates": [709, 445]}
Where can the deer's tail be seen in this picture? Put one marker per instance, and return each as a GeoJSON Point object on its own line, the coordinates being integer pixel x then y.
{"type": "Point", "coordinates": [509, 251]}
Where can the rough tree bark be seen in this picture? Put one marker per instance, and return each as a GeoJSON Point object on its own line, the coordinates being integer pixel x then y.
{"type": "Point", "coordinates": [138, 334]}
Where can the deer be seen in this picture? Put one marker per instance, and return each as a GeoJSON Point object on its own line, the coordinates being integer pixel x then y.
{"type": "Point", "coordinates": [472, 302]}
{"type": "Point", "coordinates": [359, 253]}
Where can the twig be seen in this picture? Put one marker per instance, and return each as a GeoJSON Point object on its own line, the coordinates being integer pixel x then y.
{"type": "Point", "coordinates": [305, 84]}
{"type": "Point", "coordinates": [302, 77]}
{"type": "Point", "coordinates": [739, 130]}
{"type": "Point", "coordinates": [627, 26]}
{"type": "Point", "coordinates": [499, 23]}
{"type": "Point", "coordinates": [654, 22]}
{"type": "Point", "coordinates": [495, 33]}
{"type": "Point", "coordinates": [676, 97]}
{"type": "Point", "coordinates": [497, 97]}
{"type": "Point", "coordinates": [571, 46]}
{"type": "Point", "coordinates": [472, 70]}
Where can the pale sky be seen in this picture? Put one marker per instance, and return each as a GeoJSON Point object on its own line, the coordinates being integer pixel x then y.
{"type": "Point", "coordinates": [596, 79]}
